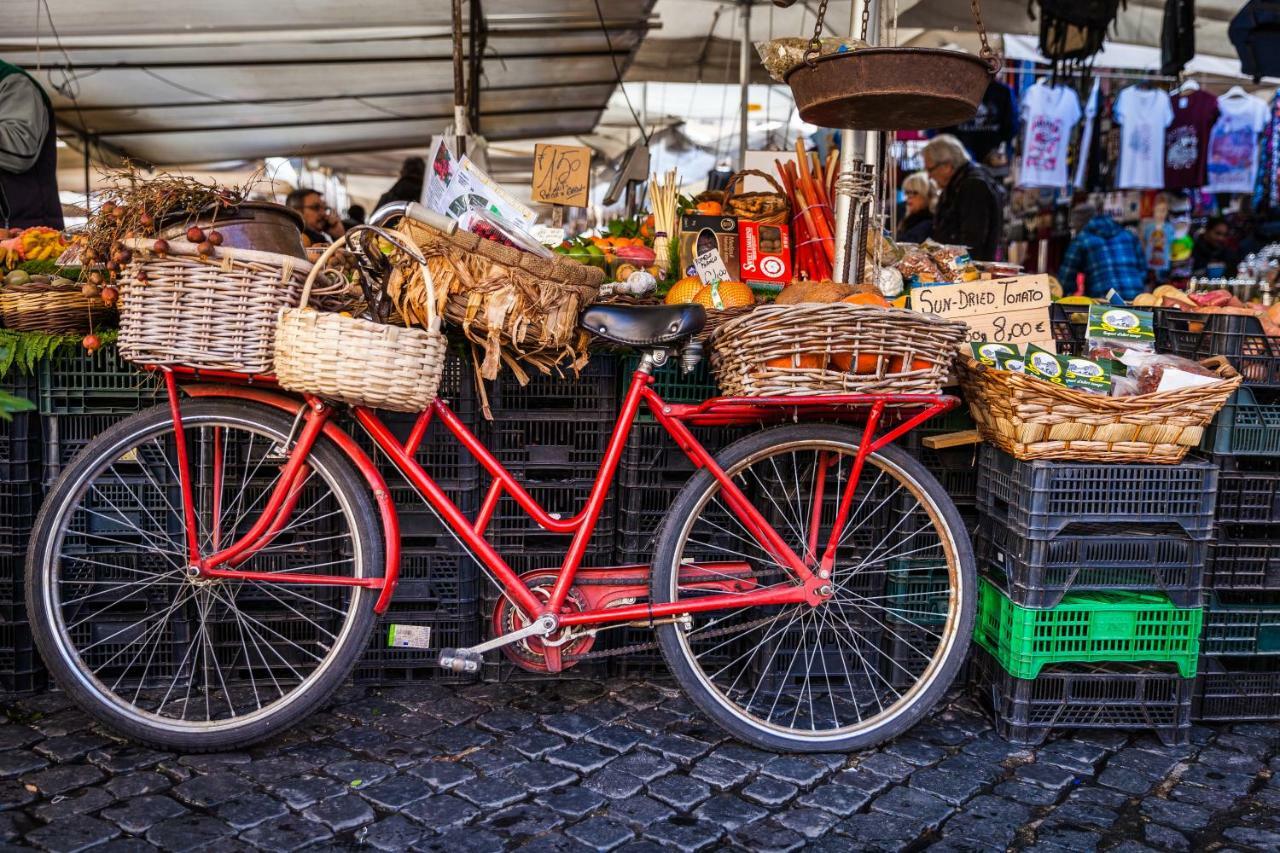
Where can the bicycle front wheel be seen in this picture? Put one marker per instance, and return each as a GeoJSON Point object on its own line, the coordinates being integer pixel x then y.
{"type": "Point", "coordinates": [866, 664]}
{"type": "Point", "coordinates": [190, 663]}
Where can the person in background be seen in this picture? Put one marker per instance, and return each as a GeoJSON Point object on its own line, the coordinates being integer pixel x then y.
{"type": "Point", "coordinates": [970, 210]}
{"type": "Point", "coordinates": [408, 187]}
{"type": "Point", "coordinates": [319, 223]}
{"type": "Point", "coordinates": [1214, 254]}
{"type": "Point", "coordinates": [355, 216]}
{"type": "Point", "coordinates": [28, 153]}
{"type": "Point", "coordinates": [1109, 255]}
{"type": "Point", "coordinates": [922, 196]}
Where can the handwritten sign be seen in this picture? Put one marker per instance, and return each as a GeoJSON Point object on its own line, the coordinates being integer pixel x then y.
{"type": "Point", "coordinates": [1003, 310]}
{"type": "Point", "coordinates": [561, 174]}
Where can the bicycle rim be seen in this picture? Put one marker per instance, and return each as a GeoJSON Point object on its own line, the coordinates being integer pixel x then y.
{"type": "Point", "coordinates": [869, 656]}
{"type": "Point", "coordinates": [170, 652]}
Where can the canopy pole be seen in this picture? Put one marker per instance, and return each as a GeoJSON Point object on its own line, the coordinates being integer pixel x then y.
{"type": "Point", "coordinates": [744, 78]}
{"type": "Point", "coordinates": [459, 89]}
{"type": "Point", "coordinates": [854, 146]}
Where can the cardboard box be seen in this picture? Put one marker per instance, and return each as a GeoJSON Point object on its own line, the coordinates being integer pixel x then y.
{"type": "Point", "coordinates": [700, 233]}
{"type": "Point", "coordinates": [765, 253]}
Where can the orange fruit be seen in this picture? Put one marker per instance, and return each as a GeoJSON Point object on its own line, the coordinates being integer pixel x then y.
{"type": "Point", "coordinates": [843, 361]}
{"type": "Point", "coordinates": [710, 208]}
{"type": "Point", "coordinates": [684, 290]}
{"type": "Point", "coordinates": [813, 362]}
{"type": "Point", "coordinates": [732, 294]}
{"type": "Point", "coordinates": [867, 298]}
{"type": "Point", "coordinates": [895, 364]}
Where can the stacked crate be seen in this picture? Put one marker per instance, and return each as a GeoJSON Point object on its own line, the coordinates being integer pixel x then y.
{"type": "Point", "coordinates": [956, 468]}
{"type": "Point", "coordinates": [20, 667]}
{"type": "Point", "coordinates": [1089, 612]}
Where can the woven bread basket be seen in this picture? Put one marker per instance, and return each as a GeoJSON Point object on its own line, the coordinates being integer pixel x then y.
{"type": "Point", "coordinates": [37, 307]}
{"type": "Point", "coordinates": [503, 299]}
{"type": "Point", "coordinates": [1030, 418]}
{"type": "Point", "coordinates": [783, 350]}
{"type": "Point", "coordinates": [216, 313]}
{"type": "Point", "coordinates": [769, 208]}
{"type": "Point", "coordinates": [356, 361]}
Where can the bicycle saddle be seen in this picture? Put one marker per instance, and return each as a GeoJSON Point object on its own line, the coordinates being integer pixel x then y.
{"type": "Point", "coordinates": [644, 325]}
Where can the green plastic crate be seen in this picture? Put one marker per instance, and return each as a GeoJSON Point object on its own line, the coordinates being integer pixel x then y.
{"type": "Point", "coordinates": [673, 384]}
{"type": "Point", "coordinates": [1088, 627]}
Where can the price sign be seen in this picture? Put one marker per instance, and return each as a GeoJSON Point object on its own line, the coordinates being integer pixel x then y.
{"type": "Point", "coordinates": [1003, 310]}
{"type": "Point", "coordinates": [561, 174]}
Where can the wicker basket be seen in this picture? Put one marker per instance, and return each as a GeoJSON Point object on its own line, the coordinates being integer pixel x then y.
{"type": "Point", "coordinates": [501, 298]}
{"type": "Point", "coordinates": [357, 361]}
{"type": "Point", "coordinates": [770, 208]}
{"type": "Point", "coordinates": [1030, 418]}
{"type": "Point", "coordinates": [717, 317]}
{"type": "Point", "coordinates": [37, 307]}
{"type": "Point", "coordinates": [782, 350]}
{"type": "Point", "coordinates": [216, 313]}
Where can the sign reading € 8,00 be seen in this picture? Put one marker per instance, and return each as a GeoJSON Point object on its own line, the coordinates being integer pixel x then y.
{"type": "Point", "coordinates": [561, 174]}
{"type": "Point", "coordinates": [1003, 310]}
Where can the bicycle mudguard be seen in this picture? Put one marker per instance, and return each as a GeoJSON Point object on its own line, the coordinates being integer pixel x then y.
{"type": "Point", "coordinates": [381, 494]}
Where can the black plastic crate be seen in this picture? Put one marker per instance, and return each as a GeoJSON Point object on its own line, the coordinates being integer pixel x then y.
{"type": "Point", "coordinates": [1037, 573]}
{"type": "Point", "coordinates": [956, 420]}
{"type": "Point", "coordinates": [1069, 324]}
{"type": "Point", "coordinates": [1244, 558]}
{"type": "Point", "coordinates": [564, 448]}
{"type": "Point", "coordinates": [1239, 337]}
{"type": "Point", "coordinates": [66, 435]}
{"type": "Point", "coordinates": [956, 468]}
{"type": "Point", "coordinates": [21, 669]}
{"type": "Point", "coordinates": [440, 454]}
{"type": "Point", "coordinates": [1248, 489]}
{"type": "Point", "coordinates": [1233, 689]}
{"type": "Point", "coordinates": [527, 559]}
{"type": "Point", "coordinates": [19, 502]}
{"type": "Point", "coordinates": [13, 603]}
{"type": "Point", "coordinates": [594, 391]}
{"type": "Point", "coordinates": [75, 381]}
{"type": "Point", "coordinates": [1039, 499]}
{"type": "Point", "coordinates": [511, 528]}
{"type": "Point", "coordinates": [20, 448]}
{"type": "Point", "coordinates": [421, 528]}
{"type": "Point", "coordinates": [1150, 697]}
{"type": "Point", "coordinates": [444, 584]}
{"type": "Point", "coordinates": [1241, 623]}
{"type": "Point", "coordinates": [672, 384]}
{"type": "Point", "coordinates": [382, 664]}
{"type": "Point", "coordinates": [1248, 425]}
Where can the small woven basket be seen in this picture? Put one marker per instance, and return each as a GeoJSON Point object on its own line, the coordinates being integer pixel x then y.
{"type": "Point", "coordinates": [770, 208]}
{"type": "Point", "coordinates": [1030, 418]}
{"type": "Point", "coordinates": [36, 307]}
{"type": "Point", "coordinates": [216, 313]}
{"type": "Point", "coordinates": [356, 361]}
{"type": "Point", "coordinates": [783, 350]}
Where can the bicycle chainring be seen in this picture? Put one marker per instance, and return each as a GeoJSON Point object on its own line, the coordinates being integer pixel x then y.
{"type": "Point", "coordinates": [531, 653]}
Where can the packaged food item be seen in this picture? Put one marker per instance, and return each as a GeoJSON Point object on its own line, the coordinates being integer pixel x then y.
{"type": "Point", "coordinates": [1124, 386]}
{"type": "Point", "coordinates": [1070, 371]}
{"type": "Point", "coordinates": [781, 55]}
{"type": "Point", "coordinates": [953, 262]}
{"type": "Point", "coordinates": [765, 253]}
{"type": "Point", "coordinates": [917, 267]}
{"type": "Point", "coordinates": [987, 352]}
{"type": "Point", "coordinates": [1112, 331]}
{"type": "Point", "coordinates": [1164, 372]}
{"type": "Point", "coordinates": [699, 235]}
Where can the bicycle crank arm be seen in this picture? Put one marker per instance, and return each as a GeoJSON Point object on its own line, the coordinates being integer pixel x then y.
{"type": "Point", "coordinates": [469, 660]}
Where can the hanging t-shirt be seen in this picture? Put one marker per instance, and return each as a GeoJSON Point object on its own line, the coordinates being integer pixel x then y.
{"type": "Point", "coordinates": [1048, 114]}
{"type": "Point", "coordinates": [992, 124]}
{"type": "Point", "coordinates": [1143, 115]}
{"type": "Point", "coordinates": [1185, 142]}
{"type": "Point", "coordinates": [1233, 144]}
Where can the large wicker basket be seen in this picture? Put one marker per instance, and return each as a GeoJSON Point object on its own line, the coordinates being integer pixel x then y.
{"type": "Point", "coordinates": [358, 361]}
{"type": "Point", "coordinates": [39, 307]}
{"type": "Point", "coordinates": [770, 208]}
{"type": "Point", "coordinates": [781, 350]}
{"type": "Point", "coordinates": [501, 298]}
{"type": "Point", "coordinates": [217, 313]}
{"type": "Point", "coordinates": [1030, 418]}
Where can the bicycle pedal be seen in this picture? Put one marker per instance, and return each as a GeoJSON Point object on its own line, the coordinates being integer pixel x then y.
{"type": "Point", "coordinates": [460, 660]}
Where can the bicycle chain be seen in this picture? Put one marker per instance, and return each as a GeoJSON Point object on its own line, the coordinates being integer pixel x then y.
{"type": "Point", "coordinates": [644, 647]}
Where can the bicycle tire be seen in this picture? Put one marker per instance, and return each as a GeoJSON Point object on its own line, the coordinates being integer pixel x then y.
{"type": "Point", "coordinates": [719, 702]}
{"type": "Point", "coordinates": [65, 661]}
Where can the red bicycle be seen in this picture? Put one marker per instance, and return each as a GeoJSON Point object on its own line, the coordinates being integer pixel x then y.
{"type": "Point", "coordinates": [206, 573]}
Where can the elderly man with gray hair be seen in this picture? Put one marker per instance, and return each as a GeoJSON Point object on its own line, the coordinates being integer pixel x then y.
{"type": "Point", "coordinates": [971, 208]}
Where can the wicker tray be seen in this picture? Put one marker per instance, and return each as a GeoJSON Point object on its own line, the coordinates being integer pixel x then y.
{"type": "Point", "coordinates": [508, 302]}
{"type": "Point", "coordinates": [1029, 418]}
{"type": "Point", "coordinates": [879, 343]}
{"type": "Point", "coordinates": [38, 307]}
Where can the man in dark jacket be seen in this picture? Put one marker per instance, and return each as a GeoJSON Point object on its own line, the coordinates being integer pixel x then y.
{"type": "Point", "coordinates": [28, 153]}
{"type": "Point", "coordinates": [971, 208]}
{"type": "Point", "coordinates": [408, 187]}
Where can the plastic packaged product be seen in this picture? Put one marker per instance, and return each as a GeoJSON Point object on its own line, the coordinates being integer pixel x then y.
{"type": "Point", "coordinates": [781, 55]}
{"type": "Point", "coordinates": [489, 225]}
{"type": "Point", "coordinates": [917, 267]}
{"type": "Point", "coordinates": [1124, 386]}
{"type": "Point", "coordinates": [954, 263]}
{"type": "Point", "coordinates": [1165, 372]}
{"type": "Point", "coordinates": [1113, 331]}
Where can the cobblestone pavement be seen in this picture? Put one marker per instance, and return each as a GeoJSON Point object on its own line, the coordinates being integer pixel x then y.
{"type": "Point", "coordinates": [629, 765]}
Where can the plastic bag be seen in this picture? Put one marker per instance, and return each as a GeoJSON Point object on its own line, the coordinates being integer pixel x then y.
{"type": "Point", "coordinates": [917, 266]}
{"type": "Point", "coordinates": [781, 55]}
{"type": "Point", "coordinates": [953, 262]}
{"type": "Point", "coordinates": [487, 224]}
{"type": "Point", "coordinates": [1149, 369]}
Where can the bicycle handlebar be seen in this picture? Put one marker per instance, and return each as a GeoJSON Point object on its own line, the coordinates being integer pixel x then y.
{"type": "Point", "coordinates": [416, 212]}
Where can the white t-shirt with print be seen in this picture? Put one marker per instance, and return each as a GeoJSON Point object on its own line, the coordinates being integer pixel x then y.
{"type": "Point", "coordinates": [1233, 144]}
{"type": "Point", "coordinates": [1143, 115]}
{"type": "Point", "coordinates": [1048, 114]}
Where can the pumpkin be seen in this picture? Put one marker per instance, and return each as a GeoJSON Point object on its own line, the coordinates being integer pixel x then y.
{"type": "Point", "coordinates": [867, 362]}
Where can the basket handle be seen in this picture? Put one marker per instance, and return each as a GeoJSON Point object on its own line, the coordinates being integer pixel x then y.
{"type": "Point", "coordinates": [392, 238]}
{"type": "Point", "coordinates": [738, 176]}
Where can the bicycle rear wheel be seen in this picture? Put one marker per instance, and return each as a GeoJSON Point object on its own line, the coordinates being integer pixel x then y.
{"type": "Point", "coordinates": [183, 662]}
{"type": "Point", "coordinates": [867, 663]}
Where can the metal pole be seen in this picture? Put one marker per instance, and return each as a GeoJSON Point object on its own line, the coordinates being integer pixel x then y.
{"type": "Point", "coordinates": [459, 91]}
{"type": "Point", "coordinates": [84, 140]}
{"type": "Point", "coordinates": [744, 78]}
{"type": "Point", "coordinates": [854, 146]}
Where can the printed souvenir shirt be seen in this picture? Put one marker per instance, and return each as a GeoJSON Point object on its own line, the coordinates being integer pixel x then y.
{"type": "Point", "coordinates": [1186, 149]}
{"type": "Point", "coordinates": [1143, 114]}
{"type": "Point", "coordinates": [1048, 114]}
{"type": "Point", "coordinates": [1233, 144]}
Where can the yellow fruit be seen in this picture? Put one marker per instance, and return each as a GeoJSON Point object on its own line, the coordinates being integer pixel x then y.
{"type": "Point", "coordinates": [684, 290]}
{"type": "Point", "coordinates": [725, 294]}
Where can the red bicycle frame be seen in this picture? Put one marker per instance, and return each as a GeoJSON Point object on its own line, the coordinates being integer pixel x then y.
{"type": "Point", "coordinates": [314, 420]}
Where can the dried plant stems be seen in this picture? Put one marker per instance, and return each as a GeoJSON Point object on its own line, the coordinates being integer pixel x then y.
{"type": "Point", "coordinates": [662, 201]}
